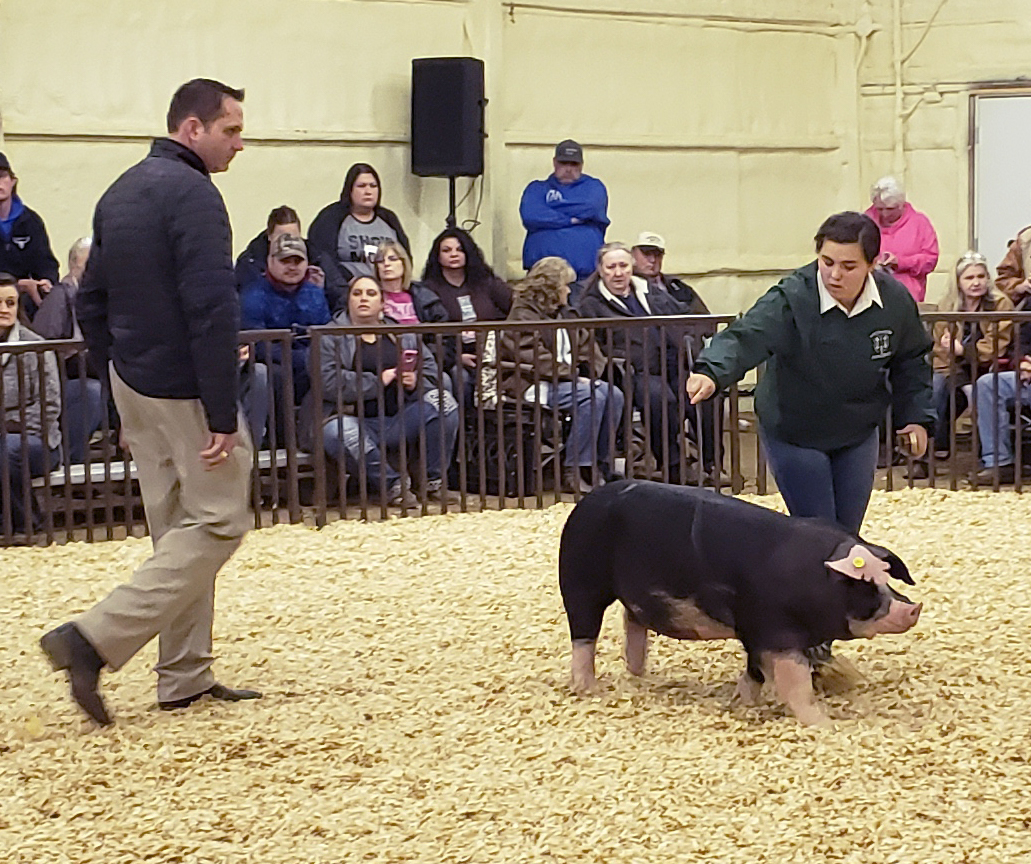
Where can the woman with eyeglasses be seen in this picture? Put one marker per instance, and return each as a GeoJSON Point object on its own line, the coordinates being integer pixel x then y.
{"type": "Point", "coordinates": [963, 350]}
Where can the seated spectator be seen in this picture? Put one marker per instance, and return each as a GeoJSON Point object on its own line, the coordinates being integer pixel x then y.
{"type": "Point", "coordinates": [996, 394]}
{"type": "Point", "coordinates": [26, 441]}
{"type": "Point", "coordinates": [409, 302]}
{"type": "Point", "coordinates": [542, 296]}
{"type": "Point", "coordinates": [55, 319]}
{"type": "Point", "coordinates": [470, 291]}
{"type": "Point", "coordinates": [24, 245]}
{"type": "Point", "coordinates": [909, 244]}
{"type": "Point", "coordinates": [282, 299]}
{"type": "Point", "coordinates": [648, 253]}
{"type": "Point", "coordinates": [353, 228]}
{"type": "Point", "coordinates": [653, 363]}
{"type": "Point", "coordinates": [1012, 274]}
{"type": "Point", "coordinates": [972, 291]}
{"type": "Point", "coordinates": [322, 267]}
{"type": "Point", "coordinates": [398, 403]}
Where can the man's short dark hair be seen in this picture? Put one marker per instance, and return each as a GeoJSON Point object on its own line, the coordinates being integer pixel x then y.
{"type": "Point", "coordinates": [7, 279]}
{"type": "Point", "coordinates": [851, 227]}
{"type": "Point", "coordinates": [282, 215]}
{"type": "Point", "coordinates": [202, 98]}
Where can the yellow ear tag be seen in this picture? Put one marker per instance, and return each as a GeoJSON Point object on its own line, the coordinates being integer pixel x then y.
{"type": "Point", "coordinates": [858, 563]}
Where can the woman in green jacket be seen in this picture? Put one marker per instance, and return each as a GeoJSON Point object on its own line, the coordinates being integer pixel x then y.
{"type": "Point", "coordinates": [842, 340]}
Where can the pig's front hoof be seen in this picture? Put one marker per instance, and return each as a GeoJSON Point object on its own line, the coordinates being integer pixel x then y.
{"type": "Point", "coordinates": [583, 685]}
{"type": "Point", "coordinates": [748, 690]}
{"type": "Point", "coordinates": [812, 715]}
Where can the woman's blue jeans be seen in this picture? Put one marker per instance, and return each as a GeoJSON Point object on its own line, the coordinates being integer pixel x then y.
{"type": "Point", "coordinates": [342, 435]}
{"type": "Point", "coordinates": [830, 484]}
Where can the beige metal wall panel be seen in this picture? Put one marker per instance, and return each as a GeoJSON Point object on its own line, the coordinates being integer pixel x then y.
{"type": "Point", "coordinates": [334, 69]}
{"type": "Point", "coordinates": [63, 183]}
{"type": "Point", "coordinates": [705, 88]}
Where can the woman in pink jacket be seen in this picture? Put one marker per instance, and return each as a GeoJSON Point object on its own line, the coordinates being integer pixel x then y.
{"type": "Point", "coordinates": [909, 245]}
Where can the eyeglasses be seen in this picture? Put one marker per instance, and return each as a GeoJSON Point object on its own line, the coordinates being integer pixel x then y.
{"type": "Point", "coordinates": [387, 258]}
{"type": "Point", "coordinates": [973, 258]}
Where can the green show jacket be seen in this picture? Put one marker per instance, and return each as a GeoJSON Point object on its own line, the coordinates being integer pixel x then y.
{"type": "Point", "coordinates": [829, 378]}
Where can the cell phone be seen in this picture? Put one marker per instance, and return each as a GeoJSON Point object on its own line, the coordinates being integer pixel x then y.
{"type": "Point", "coordinates": [409, 360]}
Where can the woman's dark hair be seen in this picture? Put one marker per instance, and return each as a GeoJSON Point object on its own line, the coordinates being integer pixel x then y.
{"type": "Point", "coordinates": [8, 281]}
{"type": "Point", "coordinates": [282, 216]}
{"type": "Point", "coordinates": [477, 270]}
{"type": "Point", "coordinates": [202, 98]}
{"type": "Point", "coordinates": [352, 176]}
{"type": "Point", "coordinates": [851, 227]}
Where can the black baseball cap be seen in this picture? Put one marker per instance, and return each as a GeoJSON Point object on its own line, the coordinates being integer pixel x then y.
{"type": "Point", "coordinates": [569, 151]}
{"type": "Point", "coordinates": [5, 164]}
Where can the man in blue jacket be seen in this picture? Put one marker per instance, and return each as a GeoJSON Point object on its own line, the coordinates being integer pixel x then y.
{"type": "Point", "coordinates": [565, 215]}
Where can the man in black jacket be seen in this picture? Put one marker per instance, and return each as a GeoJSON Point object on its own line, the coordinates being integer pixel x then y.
{"type": "Point", "coordinates": [25, 250]}
{"type": "Point", "coordinates": [159, 311]}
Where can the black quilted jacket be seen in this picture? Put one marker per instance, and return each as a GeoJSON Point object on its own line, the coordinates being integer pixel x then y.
{"type": "Point", "coordinates": [159, 296]}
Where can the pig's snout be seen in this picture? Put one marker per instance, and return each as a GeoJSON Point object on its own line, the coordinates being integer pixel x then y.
{"type": "Point", "coordinates": [900, 618]}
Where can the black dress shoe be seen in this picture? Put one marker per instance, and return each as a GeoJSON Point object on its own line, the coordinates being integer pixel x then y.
{"type": "Point", "coordinates": [215, 691]}
{"type": "Point", "coordinates": [67, 649]}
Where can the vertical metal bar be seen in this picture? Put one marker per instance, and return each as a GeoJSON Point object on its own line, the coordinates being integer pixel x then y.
{"type": "Point", "coordinates": [761, 480]}
{"type": "Point", "coordinates": [48, 516]}
{"type": "Point", "coordinates": [26, 478]}
{"type": "Point", "coordinates": [559, 445]}
{"type": "Point", "coordinates": [5, 474]}
{"type": "Point", "coordinates": [318, 432]}
{"type": "Point", "coordinates": [293, 498]}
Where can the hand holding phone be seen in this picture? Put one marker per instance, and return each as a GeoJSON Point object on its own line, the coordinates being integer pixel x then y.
{"type": "Point", "coordinates": [409, 360]}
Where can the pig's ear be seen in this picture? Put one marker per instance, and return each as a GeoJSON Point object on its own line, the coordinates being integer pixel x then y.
{"type": "Point", "coordinates": [860, 563]}
{"type": "Point", "coordinates": [896, 568]}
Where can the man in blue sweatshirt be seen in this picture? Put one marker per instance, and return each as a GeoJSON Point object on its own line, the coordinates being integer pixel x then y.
{"type": "Point", "coordinates": [565, 215]}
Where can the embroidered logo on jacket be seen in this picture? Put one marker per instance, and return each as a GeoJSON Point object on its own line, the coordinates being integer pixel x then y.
{"type": "Point", "coordinates": [881, 340]}
{"type": "Point", "coordinates": [552, 196]}
{"type": "Point", "coordinates": [21, 242]}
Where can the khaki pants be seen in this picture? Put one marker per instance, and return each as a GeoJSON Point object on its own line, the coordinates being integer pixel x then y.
{"type": "Point", "coordinates": [197, 519]}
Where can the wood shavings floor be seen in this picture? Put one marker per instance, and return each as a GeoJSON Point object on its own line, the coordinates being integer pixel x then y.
{"type": "Point", "coordinates": [417, 709]}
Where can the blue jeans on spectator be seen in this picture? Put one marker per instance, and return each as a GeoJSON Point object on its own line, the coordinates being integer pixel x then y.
{"type": "Point", "coordinates": [943, 421]}
{"type": "Point", "coordinates": [254, 384]}
{"type": "Point", "coordinates": [589, 424]}
{"type": "Point", "coordinates": [83, 413]}
{"type": "Point", "coordinates": [341, 436]}
{"type": "Point", "coordinates": [39, 463]}
{"type": "Point", "coordinates": [993, 415]}
{"type": "Point", "coordinates": [833, 485]}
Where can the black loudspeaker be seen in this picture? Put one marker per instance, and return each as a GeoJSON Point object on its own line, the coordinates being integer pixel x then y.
{"type": "Point", "coordinates": [447, 117]}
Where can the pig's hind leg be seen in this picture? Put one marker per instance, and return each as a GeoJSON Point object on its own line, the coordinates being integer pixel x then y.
{"type": "Point", "coordinates": [750, 684]}
{"type": "Point", "coordinates": [635, 644]}
{"type": "Point", "coordinates": [585, 611]}
{"type": "Point", "coordinates": [793, 679]}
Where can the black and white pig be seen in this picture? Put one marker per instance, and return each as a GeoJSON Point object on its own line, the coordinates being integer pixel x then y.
{"type": "Point", "coordinates": [691, 564]}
